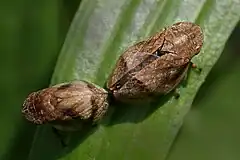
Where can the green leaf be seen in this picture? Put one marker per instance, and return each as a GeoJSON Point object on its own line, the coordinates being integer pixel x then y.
{"type": "Point", "coordinates": [100, 32]}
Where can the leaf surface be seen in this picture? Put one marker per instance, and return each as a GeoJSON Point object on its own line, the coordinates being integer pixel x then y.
{"type": "Point", "coordinates": [100, 32]}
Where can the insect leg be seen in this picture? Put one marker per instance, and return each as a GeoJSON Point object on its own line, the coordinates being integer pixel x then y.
{"type": "Point", "coordinates": [60, 136]}
{"type": "Point", "coordinates": [193, 65]}
{"type": "Point", "coordinates": [176, 94]}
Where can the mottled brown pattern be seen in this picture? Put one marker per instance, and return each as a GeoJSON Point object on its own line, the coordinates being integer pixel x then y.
{"type": "Point", "coordinates": [66, 102]}
{"type": "Point", "coordinates": [156, 66]}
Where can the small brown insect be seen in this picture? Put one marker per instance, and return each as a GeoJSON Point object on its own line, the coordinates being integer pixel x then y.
{"type": "Point", "coordinates": [155, 66]}
{"type": "Point", "coordinates": [66, 105]}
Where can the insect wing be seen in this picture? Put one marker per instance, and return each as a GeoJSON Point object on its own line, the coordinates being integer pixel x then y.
{"type": "Point", "coordinates": [166, 73]}
{"type": "Point", "coordinates": [127, 61]}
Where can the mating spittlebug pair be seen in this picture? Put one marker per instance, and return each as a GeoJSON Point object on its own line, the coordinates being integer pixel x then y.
{"type": "Point", "coordinates": [147, 69]}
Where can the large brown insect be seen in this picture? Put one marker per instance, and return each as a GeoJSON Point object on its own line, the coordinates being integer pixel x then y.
{"type": "Point", "coordinates": [66, 105]}
{"type": "Point", "coordinates": [155, 66]}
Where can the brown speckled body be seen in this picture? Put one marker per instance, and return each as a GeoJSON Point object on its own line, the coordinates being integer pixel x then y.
{"type": "Point", "coordinates": [155, 66]}
{"type": "Point", "coordinates": [67, 104]}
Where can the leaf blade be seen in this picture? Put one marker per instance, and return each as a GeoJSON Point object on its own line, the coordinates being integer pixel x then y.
{"type": "Point", "coordinates": [92, 52]}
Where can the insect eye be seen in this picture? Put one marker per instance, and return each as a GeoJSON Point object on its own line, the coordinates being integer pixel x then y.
{"type": "Point", "coordinates": [158, 53]}
{"type": "Point", "coordinates": [118, 86]}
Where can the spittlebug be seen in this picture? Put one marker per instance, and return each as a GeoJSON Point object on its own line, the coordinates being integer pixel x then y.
{"type": "Point", "coordinates": [157, 65]}
{"type": "Point", "coordinates": [67, 105]}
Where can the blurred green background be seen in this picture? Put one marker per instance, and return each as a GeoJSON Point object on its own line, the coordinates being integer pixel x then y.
{"type": "Point", "coordinates": [32, 33]}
